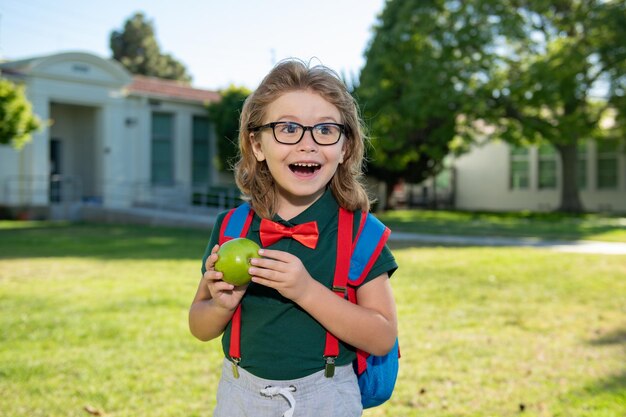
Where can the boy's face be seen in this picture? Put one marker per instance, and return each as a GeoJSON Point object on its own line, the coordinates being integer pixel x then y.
{"type": "Point", "coordinates": [301, 171]}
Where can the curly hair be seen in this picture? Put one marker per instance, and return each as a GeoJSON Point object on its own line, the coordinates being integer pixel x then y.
{"type": "Point", "coordinates": [254, 178]}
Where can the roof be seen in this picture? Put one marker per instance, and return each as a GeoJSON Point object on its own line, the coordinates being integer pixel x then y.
{"type": "Point", "coordinates": [170, 89]}
{"type": "Point", "coordinates": [62, 66]}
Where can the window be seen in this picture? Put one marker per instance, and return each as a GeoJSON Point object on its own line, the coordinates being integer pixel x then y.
{"type": "Point", "coordinates": [519, 174]}
{"type": "Point", "coordinates": [200, 155]}
{"type": "Point", "coordinates": [582, 166]}
{"type": "Point", "coordinates": [162, 158]}
{"type": "Point", "coordinates": [606, 161]}
{"type": "Point", "coordinates": [547, 167]}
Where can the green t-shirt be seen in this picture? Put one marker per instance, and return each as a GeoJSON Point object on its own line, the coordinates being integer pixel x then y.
{"type": "Point", "coordinates": [279, 340]}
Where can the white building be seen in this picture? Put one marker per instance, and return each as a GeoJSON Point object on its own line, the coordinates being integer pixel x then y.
{"type": "Point", "coordinates": [114, 140]}
{"type": "Point", "coordinates": [499, 177]}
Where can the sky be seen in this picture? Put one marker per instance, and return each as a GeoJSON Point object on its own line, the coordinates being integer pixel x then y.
{"type": "Point", "coordinates": [220, 42]}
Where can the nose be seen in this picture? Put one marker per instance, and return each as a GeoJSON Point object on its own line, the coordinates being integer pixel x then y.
{"type": "Point", "coordinates": [308, 141]}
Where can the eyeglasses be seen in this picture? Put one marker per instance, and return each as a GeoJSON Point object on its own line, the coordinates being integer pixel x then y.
{"type": "Point", "coordinates": [290, 133]}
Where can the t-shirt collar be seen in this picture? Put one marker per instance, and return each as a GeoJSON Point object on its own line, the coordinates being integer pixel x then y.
{"type": "Point", "coordinates": [321, 211]}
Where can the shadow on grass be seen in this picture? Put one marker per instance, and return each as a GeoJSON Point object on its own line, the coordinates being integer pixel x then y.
{"type": "Point", "coordinates": [616, 337]}
{"type": "Point", "coordinates": [607, 394]}
{"type": "Point", "coordinates": [616, 383]}
{"type": "Point", "coordinates": [549, 226]}
{"type": "Point", "coordinates": [111, 241]}
{"type": "Point", "coordinates": [105, 241]}
{"type": "Point", "coordinates": [409, 244]}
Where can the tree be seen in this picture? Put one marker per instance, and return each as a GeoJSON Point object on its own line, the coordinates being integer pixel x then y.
{"type": "Point", "coordinates": [534, 71]}
{"type": "Point", "coordinates": [225, 116]}
{"type": "Point", "coordinates": [562, 81]}
{"type": "Point", "coordinates": [17, 120]}
{"type": "Point", "coordinates": [423, 67]}
{"type": "Point", "coordinates": [136, 48]}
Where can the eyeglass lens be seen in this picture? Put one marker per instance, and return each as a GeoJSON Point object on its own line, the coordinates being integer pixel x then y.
{"type": "Point", "coordinates": [291, 133]}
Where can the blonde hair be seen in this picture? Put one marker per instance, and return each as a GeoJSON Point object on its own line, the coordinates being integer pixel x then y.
{"type": "Point", "coordinates": [254, 178]}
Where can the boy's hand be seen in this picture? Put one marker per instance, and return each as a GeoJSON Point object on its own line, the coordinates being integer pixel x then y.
{"type": "Point", "coordinates": [282, 271]}
{"type": "Point", "coordinates": [224, 294]}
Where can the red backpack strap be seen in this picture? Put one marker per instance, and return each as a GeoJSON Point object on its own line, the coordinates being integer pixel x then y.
{"type": "Point", "coordinates": [344, 251]}
{"type": "Point", "coordinates": [370, 242]}
{"type": "Point", "coordinates": [361, 225]}
{"type": "Point", "coordinates": [354, 261]}
{"type": "Point", "coordinates": [236, 224]}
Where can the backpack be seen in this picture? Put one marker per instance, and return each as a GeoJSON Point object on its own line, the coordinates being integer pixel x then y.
{"type": "Point", "coordinates": [376, 375]}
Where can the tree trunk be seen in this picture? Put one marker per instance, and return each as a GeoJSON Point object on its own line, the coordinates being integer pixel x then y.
{"type": "Point", "coordinates": [434, 204]}
{"type": "Point", "coordinates": [570, 198]}
{"type": "Point", "coordinates": [389, 184]}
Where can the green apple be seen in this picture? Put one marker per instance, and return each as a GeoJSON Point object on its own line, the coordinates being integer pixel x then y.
{"type": "Point", "coordinates": [234, 260]}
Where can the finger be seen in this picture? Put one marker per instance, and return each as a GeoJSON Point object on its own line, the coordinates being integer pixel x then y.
{"type": "Point", "coordinates": [267, 263]}
{"type": "Point", "coordinates": [263, 273]}
{"type": "Point", "coordinates": [265, 282]}
{"type": "Point", "coordinates": [258, 272]}
{"type": "Point", "coordinates": [215, 248]}
{"type": "Point", "coordinates": [210, 261]}
{"type": "Point", "coordinates": [278, 255]}
{"type": "Point", "coordinates": [223, 286]}
{"type": "Point", "coordinates": [213, 276]}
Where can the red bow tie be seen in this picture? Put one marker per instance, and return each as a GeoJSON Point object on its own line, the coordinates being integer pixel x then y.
{"type": "Point", "coordinates": [306, 233]}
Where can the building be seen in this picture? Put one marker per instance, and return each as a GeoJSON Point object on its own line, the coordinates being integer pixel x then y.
{"type": "Point", "coordinates": [114, 140]}
{"type": "Point", "coordinates": [496, 176]}
{"type": "Point", "coordinates": [118, 141]}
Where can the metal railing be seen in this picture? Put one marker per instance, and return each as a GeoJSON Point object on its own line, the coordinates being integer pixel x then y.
{"type": "Point", "coordinates": [57, 190]}
{"type": "Point", "coordinates": [40, 190]}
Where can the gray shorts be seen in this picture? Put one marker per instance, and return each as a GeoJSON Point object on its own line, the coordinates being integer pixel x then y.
{"type": "Point", "coordinates": [311, 396]}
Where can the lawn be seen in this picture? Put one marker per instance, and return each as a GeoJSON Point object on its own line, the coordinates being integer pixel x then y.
{"type": "Point", "coordinates": [94, 317]}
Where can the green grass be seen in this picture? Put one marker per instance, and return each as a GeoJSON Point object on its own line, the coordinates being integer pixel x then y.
{"type": "Point", "coordinates": [95, 315]}
{"type": "Point", "coordinates": [519, 224]}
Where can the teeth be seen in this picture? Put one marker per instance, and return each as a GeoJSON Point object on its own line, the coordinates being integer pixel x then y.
{"type": "Point", "coordinates": [300, 164]}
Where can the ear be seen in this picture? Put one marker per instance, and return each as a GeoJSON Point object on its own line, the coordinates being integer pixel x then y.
{"type": "Point", "coordinates": [256, 148]}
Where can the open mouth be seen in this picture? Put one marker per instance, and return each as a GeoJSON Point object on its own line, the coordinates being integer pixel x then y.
{"type": "Point", "coordinates": [301, 168]}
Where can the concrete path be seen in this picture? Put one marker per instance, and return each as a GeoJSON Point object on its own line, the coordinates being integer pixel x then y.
{"type": "Point", "coordinates": [204, 218]}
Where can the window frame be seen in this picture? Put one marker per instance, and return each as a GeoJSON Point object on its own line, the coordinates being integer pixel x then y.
{"type": "Point", "coordinates": [158, 137]}
{"type": "Point", "coordinates": [602, 157]}
{"type": "Point", "coordinates": [547, 160]}
{"type": "Point", "coordinates": [200, 165]}
{"type": "Point", "coordinates": [519, 155]}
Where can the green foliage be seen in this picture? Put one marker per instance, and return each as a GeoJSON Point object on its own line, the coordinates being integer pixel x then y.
{"type": "Point", "coordinates": [17, 120]}
{"type": "Point", "coordinates": [136, 48]}
{"type": "Point", "coordinates": [225, 116]}
{"type": "Point", "coordinates": [534, 71]}
{"type": "Point", "coordinates": [424, 65]}
{"type": "Point", "coordinates": [571, 58]}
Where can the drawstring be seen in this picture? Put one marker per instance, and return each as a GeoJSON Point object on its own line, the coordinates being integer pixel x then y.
{"type": "Point", "coordinates": [271, 391]}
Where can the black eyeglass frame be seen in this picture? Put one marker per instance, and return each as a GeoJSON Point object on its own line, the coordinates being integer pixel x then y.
{"type": "Point", "coordinates": [272, 125]}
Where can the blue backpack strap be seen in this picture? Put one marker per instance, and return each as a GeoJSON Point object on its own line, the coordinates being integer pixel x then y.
{"type": "Point", "coordinates": [376, 374]}
{"type": "Point", "coordinates": [236, 223]}
{"type": "Point", "coordinates": [370, 242]}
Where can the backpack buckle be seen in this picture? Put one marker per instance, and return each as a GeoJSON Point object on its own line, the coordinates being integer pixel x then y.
{"type": "Point", "coordinates": [329, 368]}
{"type": "Point", "coordinates": [339, 290]}
{"type": "Point", "coordinates": [235, 366]}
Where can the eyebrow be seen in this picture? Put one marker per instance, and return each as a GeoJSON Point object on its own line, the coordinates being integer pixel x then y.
{"type": "Point", "coordinates": [291, 118]}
